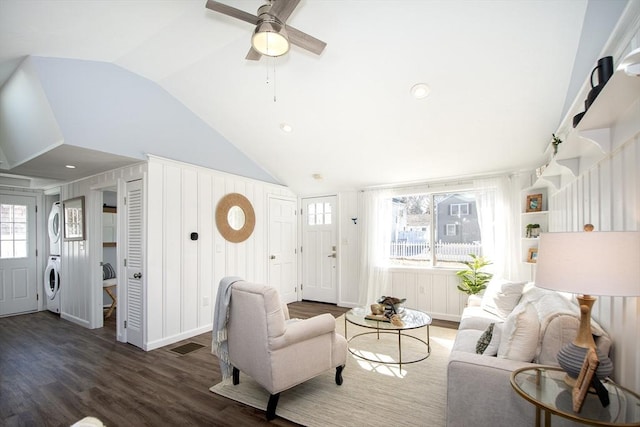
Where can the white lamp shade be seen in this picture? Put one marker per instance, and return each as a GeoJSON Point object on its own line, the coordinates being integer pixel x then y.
{"type": "Point", "coordinates": [603, 263]}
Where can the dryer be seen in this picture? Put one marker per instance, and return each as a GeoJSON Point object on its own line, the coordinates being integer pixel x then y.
{"type": "Point", "coordinates": [52, 284]}
{"type": "Point", "coordinates": [55, 229]}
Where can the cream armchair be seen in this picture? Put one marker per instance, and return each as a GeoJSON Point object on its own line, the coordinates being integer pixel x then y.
{"type": "Point", "coordinates": [276, 352]}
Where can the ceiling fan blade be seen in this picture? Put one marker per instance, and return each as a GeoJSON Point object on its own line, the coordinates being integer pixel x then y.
{"type": "Point", "coordinates": [232, 11]}
{"type": "Point", "coordinates": [282, 9]}
{"type": "Point", "coordinates": [253, 55]}
{"type": "Point", "coordinates": [305, 41]}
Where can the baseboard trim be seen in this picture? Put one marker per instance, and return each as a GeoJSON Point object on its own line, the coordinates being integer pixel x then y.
{"type": "Point", "coordinates": [152, 345]}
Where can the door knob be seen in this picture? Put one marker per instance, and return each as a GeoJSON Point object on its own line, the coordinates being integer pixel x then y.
{"type": "Point", "coordinates": [272, 257]}
{"type": "Point", "coordinates": [137, 276]}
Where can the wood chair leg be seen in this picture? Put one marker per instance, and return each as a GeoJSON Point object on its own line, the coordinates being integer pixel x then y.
{"type": "Point", "coordinates": [271, 406]}
{"type": "Point", "coordinates": [339, 374]}
{"type": "Point", "coordinates": [236, 376]}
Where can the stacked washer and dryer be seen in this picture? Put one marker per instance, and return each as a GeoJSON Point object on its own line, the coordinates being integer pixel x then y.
{"type": "Point", "coordinates": [52, 272]}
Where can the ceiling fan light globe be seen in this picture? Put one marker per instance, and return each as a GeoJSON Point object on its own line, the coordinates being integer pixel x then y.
{"type": "Point", "coordinates": [270, 39]}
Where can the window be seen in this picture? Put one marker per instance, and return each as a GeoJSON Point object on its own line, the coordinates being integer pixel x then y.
{"type": "Point", "coordinates": [319, 214]}
{"type": "Point", "coordinates": [422, 232]}
{"type": "Point", "coordinates": [459, 209]}
{"type": "Point", "coordinates": [13, 231]}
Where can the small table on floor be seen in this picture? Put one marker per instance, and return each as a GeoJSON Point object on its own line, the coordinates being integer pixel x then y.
{"type": "Point", "coordinates": [109, 287]}
{"type": "Point", "coordinates": [413, 319]}
{"type": "Point", "coordinates": [544, 386]}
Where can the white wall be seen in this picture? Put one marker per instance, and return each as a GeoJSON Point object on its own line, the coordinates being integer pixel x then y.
{"type": "Point", "coordinates": [182, 275]}
{"type": "Point", "coordinates": [348, 248]}
{"type": "Point", "coordinates": [81, 285]}
{"type": "Point", "coordinates": [430, 289]}
{"type": "Point", "coordinates": [608, 196]}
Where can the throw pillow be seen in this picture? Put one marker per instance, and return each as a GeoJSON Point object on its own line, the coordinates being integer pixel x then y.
{"type": "Point", "coordinates": [108, 272]}
{"type": "Point", "coordinates": [492, 348]}
{"type": "Point", "coordinates": [484, 340]}
{"type": "Point", "coordinates": [501, 296]}
{"type": "Point", "coordinates": [520, 334]}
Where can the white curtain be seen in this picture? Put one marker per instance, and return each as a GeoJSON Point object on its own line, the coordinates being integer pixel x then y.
{"type": "Point", "coordinates": [375, 244]}
{"type": "Point", "coordinates": [498, 221]}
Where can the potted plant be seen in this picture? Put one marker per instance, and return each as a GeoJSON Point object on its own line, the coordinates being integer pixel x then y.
{"type": "Point", "coordinates": [533, 230]}
{"type": "Point", "coordinates": [473, 280]}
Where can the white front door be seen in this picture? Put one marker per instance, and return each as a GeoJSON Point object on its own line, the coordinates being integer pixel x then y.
{"type": "Point", "coordinates": [134, 256]}
{"type": "Point", "coordinates": [319, 249]}
{"type": "Point", "coordinates": [18, 282]}
{"type": "Point", "coordinates": [282, 248]}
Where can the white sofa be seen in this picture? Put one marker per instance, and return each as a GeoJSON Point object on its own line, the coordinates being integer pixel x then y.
{"type": "Point", "coordinates": [530, 326]}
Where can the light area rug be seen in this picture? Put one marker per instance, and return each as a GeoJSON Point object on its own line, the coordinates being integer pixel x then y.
{"type": "Point", "coordinates": [372, 393]}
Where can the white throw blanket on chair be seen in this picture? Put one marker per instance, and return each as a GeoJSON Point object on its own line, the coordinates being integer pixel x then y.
{"type": "Point", "coordinates": [219, 344]}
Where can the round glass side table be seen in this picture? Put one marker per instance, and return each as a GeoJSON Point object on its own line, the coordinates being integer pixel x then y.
{"type": "Point", "coordinates": [544, 386]}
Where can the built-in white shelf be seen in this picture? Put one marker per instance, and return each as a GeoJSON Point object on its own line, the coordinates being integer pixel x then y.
{"type": "Point", "coordinates": [590, 141]}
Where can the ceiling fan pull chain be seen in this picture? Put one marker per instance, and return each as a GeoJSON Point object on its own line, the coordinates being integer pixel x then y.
{"type": "Point", "coordinates": [274, 80]}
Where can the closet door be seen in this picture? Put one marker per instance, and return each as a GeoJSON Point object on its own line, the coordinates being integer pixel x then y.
{"type": "Point", "coordinates": [134, 237]}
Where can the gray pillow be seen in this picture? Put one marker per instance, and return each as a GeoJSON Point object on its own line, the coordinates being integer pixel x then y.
{"type": "Point", "coordinates": [108, 272]}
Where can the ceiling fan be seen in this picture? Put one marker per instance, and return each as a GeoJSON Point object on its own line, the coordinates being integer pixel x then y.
{"type": "Point", "coordinates": [272, 36]}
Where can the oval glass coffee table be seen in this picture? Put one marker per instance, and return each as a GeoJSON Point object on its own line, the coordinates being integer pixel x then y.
{"type": "Point", "coordinates": [413, 319]}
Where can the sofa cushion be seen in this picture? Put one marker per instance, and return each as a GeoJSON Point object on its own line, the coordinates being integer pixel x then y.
{"type": "Point", "coordinates": [520, 334]}
{"type": "Point", "coordinates": [466, 340]}
{"type": "Point", "coordinates": [501, 297]}
{"type": "Point", "coordinates": [477, 318]}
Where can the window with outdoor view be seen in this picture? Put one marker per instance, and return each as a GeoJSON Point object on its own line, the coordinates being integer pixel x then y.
{"type": "Point", "coordinates": [439, 229]}
{"type": "Point", "coordinates": [319, 214]}
{"type": "Point", "coordinates": [13, 231]}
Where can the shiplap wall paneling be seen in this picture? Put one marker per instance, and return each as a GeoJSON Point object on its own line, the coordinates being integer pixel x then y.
{"type": "Point", "coordinates": [348, 248]}
{"type": "Point", "coordinates": [182, 200]}
{"type": "Point", "coordinates": [172, 244]}
{"type": "Point", "coordinates": [191, 304]}
{"type": "Point", "coordinates": [608, 196]}
{"type": "Point", "coordinates": [155, 271]}
{"type": "Point", "coordinates": [81, 297]}
{"type": "Point", "coordinates": [205, 246]}
{"type": "Point", "coordinates": [432, 290]}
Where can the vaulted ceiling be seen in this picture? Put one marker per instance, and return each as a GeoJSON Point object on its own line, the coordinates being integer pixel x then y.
{"type": "Point", "coordinates": [502, 75]}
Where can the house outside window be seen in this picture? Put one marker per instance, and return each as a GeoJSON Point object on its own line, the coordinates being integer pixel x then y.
{"type": "Point", "coordinates": [423, 233]}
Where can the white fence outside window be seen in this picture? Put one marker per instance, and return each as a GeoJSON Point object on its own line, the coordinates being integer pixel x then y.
{"type": "Point", "coordinates": [444, 251]}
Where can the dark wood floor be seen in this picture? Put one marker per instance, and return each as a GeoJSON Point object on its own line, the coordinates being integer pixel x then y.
{"type": "Point", "coordinates": [54, 373]}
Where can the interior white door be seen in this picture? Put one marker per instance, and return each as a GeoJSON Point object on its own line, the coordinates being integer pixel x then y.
{"type": "Point", "coordinates": [134, 256]}
{"type": "Point", "coordinates": [319, 249]}
{"type": "Point", "coordinates": [18, 282]}
{"type": "Point", "coordinates": [282, 248]}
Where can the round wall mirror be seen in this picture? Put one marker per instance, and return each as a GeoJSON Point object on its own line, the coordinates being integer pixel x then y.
{"type": "Point", "coordinates": [235, 217]}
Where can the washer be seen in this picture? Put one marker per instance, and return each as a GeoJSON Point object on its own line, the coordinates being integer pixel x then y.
{"type": "Point", "coordinates": [52, 284]}
{"type": "Point", "coordinates": [54, 229]}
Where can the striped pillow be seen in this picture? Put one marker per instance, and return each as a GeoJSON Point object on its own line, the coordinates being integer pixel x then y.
{"type": "Point", "coordinates": [108, 272]}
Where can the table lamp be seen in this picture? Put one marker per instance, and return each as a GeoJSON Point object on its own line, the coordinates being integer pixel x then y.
{"type": "Point", "coordinates": [605, 263]}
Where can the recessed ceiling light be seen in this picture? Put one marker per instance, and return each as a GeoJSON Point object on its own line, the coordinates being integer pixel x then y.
{"type": "Point", "coordinates": [69, 166]}
{"type": "Point", "coordinates": [420, 90]}
{"type": "Point", "coordinates": [286, 127]}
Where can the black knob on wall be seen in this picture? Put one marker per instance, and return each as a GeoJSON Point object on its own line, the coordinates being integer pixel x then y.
{"type": "Point", "coordinates": [194, 236]}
